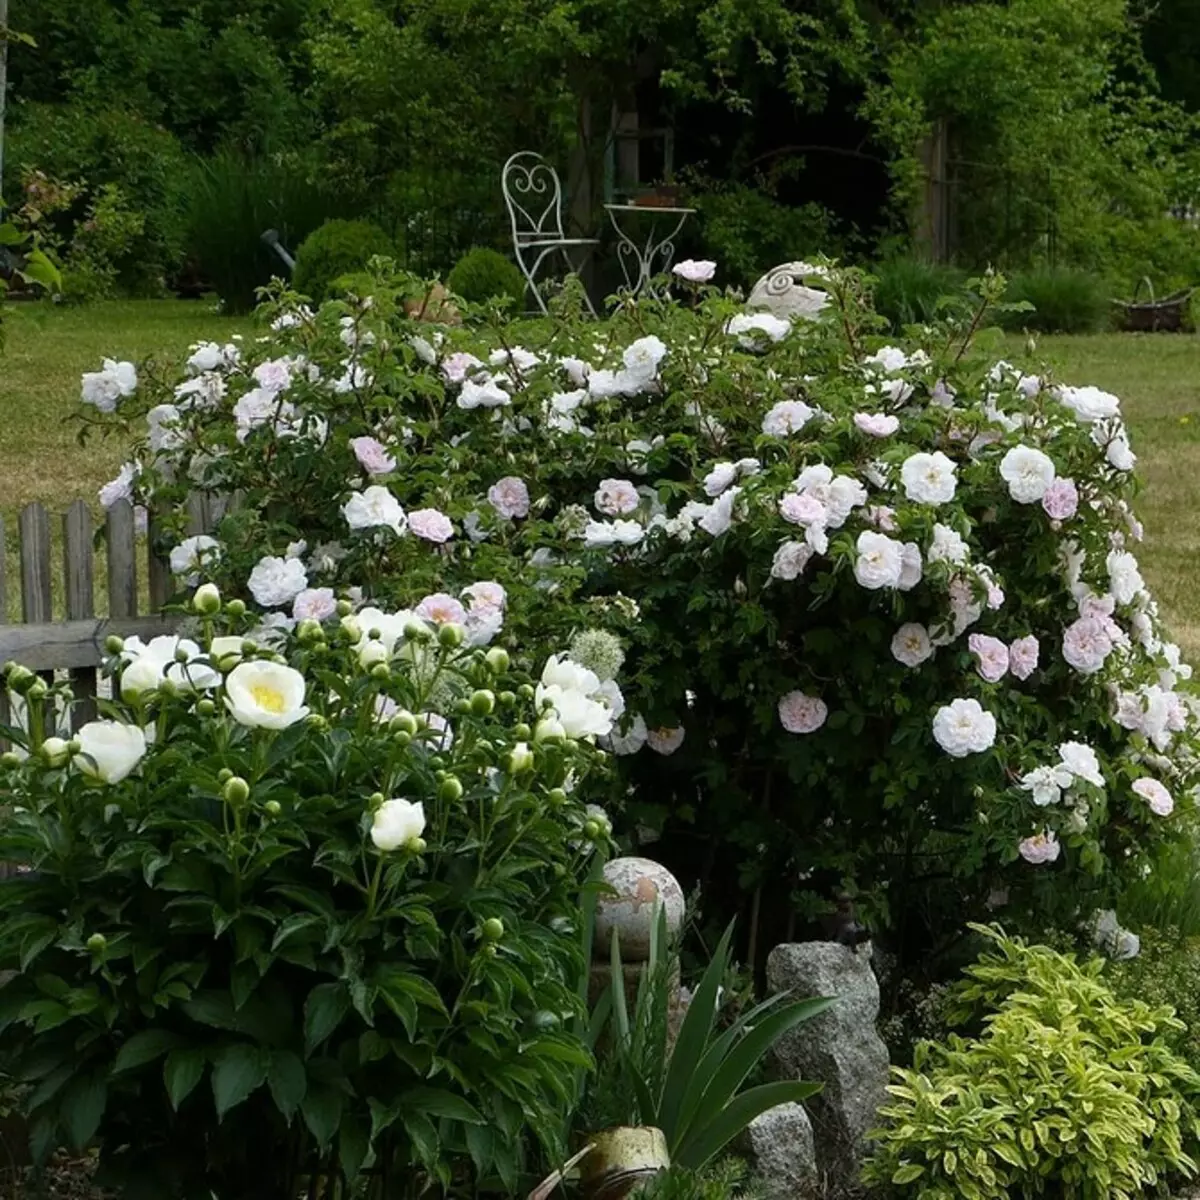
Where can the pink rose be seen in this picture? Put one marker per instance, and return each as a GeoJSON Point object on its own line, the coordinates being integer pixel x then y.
{"type": "Point", "coordinates": [665, 741]}
{"type": "Point", "coordinates": [1087, 644]}
{"type": "Point", "coordinates": [1155, 795]}
{"type": "Point", "coordinates": [882, 517]}
{"type": "Point", "coordinates": [441, 609]}
{"type": "Point", "coordinates": [509, 497]}
{"type": "Point", "coordinates": [456, 367]}
{"type": "Point", "coordinates": [616, 497]}
{"type": "Point", "coordinates": [878, 425]}
{"type": "Point", "coordinates": [992, 655]}
{"type": "Point", "coordinates": [1061, 500]}
{"type": "Point", "coordinates": [314, 604]}
{"type": "Point", "coordinates": [1023, 656]}
{"type": "Point", "coordinates": [372, 456]}
{"type": "Point", "coordinates": [693, 270]}
{"type": "Point", "coordinates": [1041, 848]}
{"type": "Point", "coordinates": [799, 713]}
{"type": "Point", "coordinates": [801, 508]}
{"type": "Point", "coordinates": [431, 525]}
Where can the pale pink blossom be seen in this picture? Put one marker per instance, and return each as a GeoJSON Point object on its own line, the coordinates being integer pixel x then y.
{"type": "Point", "coordinates": [1157, 796]}
{"type": "Point", "coordinates": [315, 604]}
{"type": "Point", "coordinates": [441, 609]}
{"type": "Point", "coordinates": [911, 645]}
{"type": "Point", "coordinates": [1087, 644]}
{"type": "Point", "coordinates": [372, 456]}
{"type": "Point", "coordinates": [882, 517]}
{"type": "Point", "coordinates": [509, 497]}
{"type": "Point", "coordinates": [456, 367]}
{"type": "Point", "coordinates": [803, 509]}
{"type": "Point", "coordinates": [878, 425]}
{"type": "Point", "coordinates": [1061, 500]}
{"type": "Point", "coordinates": [616, 497]}
{"type": "Point", "coordinates": [992, 654]}
{"type": "Point", "coordinates": [800, 713]}
{"type": "Point", "coordinates": [431, 525]}
{"type": "Point", "coordinates": [1023, 657]}
{"type": "Point", "coordinates": [1040, 848]}
{"type": "Point", "coordinates": [665, 741]}
{"type": "Point", "coordinates": [693, 270]}
{"type": "Point", "coordinates": [964, 727]}
{"type": "Point", "coordinates": [485, 596]}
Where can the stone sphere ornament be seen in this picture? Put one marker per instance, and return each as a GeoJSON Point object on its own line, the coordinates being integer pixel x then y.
{"type": "Point", "coordinates": [640, 885]}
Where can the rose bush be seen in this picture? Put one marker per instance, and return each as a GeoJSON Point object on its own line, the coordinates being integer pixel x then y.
{"type": "Point", "coordinates": [297, 907]}
{"type": "Point", "coordinates": [869, 592]}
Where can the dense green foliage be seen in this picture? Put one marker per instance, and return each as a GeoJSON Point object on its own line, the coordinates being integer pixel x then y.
{"type": "Point", "coordinates": [336, 249]}
{"type": "Point", "coordinates": [1060, 300]}
{"type": "Point", "coordinates": [483, 274]}
{"type": "Point", "coordinates": [908, 291]}
{"type": "Point", "coordinates": [1064, 1087]}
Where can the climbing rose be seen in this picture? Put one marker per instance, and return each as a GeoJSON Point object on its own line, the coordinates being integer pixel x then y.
{"type": "Point", "coordinates": [962, 727]}
{"type": "Point", "coordinates": [1041, 848]}
{"type": "Point", "coordinates": [1061, 500]}
{"type": "Point", "coordinates": [992, 655]}
{"type": "Point", "coordinates": [1155, 795]}
{"type": "Point", "coordinates": [1023, 657]}
{"type": "Point", "coordinates": [372, 456]}
{"type": "Point", "coordinates": [616, 497]}
{"type": "Point", "coordinates": [911, 645]}
{"type": "Point", "coordinates": [928, 478]}
{"type": "Point", "coordinates": [799, 713]}
{"type": "Point", "coordinates": [878, 425]}
{"type": "Point", "coordinates": [693, 270]}
{"type": "Point", "coordinates": [431, 525]}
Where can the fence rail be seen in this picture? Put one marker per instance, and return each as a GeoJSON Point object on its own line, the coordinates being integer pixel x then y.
{"type": "Point", "coordinates": [76, 643]}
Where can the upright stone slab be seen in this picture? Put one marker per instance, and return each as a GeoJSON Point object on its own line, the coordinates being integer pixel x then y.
{"type": "Point", "coordinates": [839, 1048]}
{"type": "Point", "coordinates": [779, 1147]}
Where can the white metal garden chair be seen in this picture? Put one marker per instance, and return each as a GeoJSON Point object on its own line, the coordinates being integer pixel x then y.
{"type": "Point", "coordinates": [533, 195]}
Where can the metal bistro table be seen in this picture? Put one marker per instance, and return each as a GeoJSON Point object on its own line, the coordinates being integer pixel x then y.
{"type": "Point", "coordinates": [638, 262]}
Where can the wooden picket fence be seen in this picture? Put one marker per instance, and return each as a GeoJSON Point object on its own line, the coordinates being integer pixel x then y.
{"type": "Point", "coordinates": [75, 643]}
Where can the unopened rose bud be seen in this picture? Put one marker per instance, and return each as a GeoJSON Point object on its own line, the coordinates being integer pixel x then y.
{"type": "Point", "coordinates": [236, 608]}
{"type": "Point", "coordinates": [97, 943]}
{"type": "Point", "coordinates": [450, 791]}
{"type": "Point", "coordinates": [483, 702]}
{"type": "Point", "coordinates": [451, 636]}
{"type": "Point", "coordinates": [55, 751]}
{"type": "Point", "coordinates": [236, 790]}
{"type": "Point", "coordinates": [114, 644]}
{"type": "Point", "coordinates": [493, 929]}
{"type": "Point", "coordinates": [207, 599]}
{"type": "Point", "coordinates": [497, 660]}
{"type": "Point", "coordinates": [550, 729]}
{"type": "Point", "coordinates": [273, 808]}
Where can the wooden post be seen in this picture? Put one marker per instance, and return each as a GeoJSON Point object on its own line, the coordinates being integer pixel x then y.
{"type": "Point", "coordinates": [37, 600]}
{"type": "Point", "coordinates": [933, 217]}
{"type": "Point", "coordinates": [159, 569]}
{"type": "Point", "coordinates": [122, 561]}
{"type": "Point", "coordinates": [78, 580]}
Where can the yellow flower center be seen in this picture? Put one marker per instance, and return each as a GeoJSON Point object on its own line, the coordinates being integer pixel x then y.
{"type": "Point", "coordinates": [268, 698]}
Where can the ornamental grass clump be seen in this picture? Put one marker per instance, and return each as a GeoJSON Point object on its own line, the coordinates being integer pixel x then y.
{"type": "Point", "coordinates": [883, 624]}
{"type": "Point", "coordinates": [301, 901]}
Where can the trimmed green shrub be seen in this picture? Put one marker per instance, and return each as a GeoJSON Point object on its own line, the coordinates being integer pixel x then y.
{"type": "Point", "coordinates": [336, 249]}
{"type": "Point", "coordinates": [1066, 1088]}
{"type": "Point", "coordinates": [1064, 301]}
{"type": "Point", "coordinates": [482, 275]}
{"type": "Point", "coordinates": [907, 290]}
{"type": "Point", "coordinates": [232, 201]}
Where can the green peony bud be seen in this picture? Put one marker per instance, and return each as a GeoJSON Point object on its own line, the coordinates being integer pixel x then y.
{"type": "Point", "coordinates": [451, 636]}
{"type": "Point", "coordinates": [309, 631]}
{"type": "Point", "coordinates": [236, 608]}
{"type": "Point", "coordinates": [525, 691]}
{"type": "Point", "coordinates": [273, 808]}
{"type": "Point", "coordinates": [38, 690]}
{"type": "Point", "coordinates": [403, 722]}
{"type": "Point", "coordinates": [549, 729]}
{"type": "Point", "coordinates": [236, 790]}
{"type": "Point", "coordinates": [497, 660]}
{"type": "Point", "coordinates": [207, 599]}
{"type": "Point", "coordinates": [352, 629]}
{"type": "Point", "coordinates": [591, 829]}
{"type": "Point", "coordinates": [9, 759]}
{"type": "Point", "coordinates": [520, 758]}
{"type": "Point", "coordinates": [557, 797]}
{"type": "Point", "coordinates": [20, 679]}
{"type": "Point", "coordinates": [483, 702]}
{"type": "Point", "coordinates": [381, 672]}
{"type": "Point", "coordinates": [375, 799]}
{"type": "Point", "coordinates": [451, 790]}
{"type": "Point", "coordinates": [493, 929]}
{"type": "Point", "coordinates": [316, 722]}
{"type": "Point", "coordinates": [55, 751]}
{"type": "Point", "coordinates": [74, 746]}
{"type": "Point", "coordinates": [114, 644]}
{"type": "Point", "coordinates": [417, 845]}
{"type": "Point", "coordinates": [344, 608]}
{"type": "Point", "coordinates": [97, 943]}
{"type": "Point", "coordinates": [224, 775]}
{"type": "Point", "coordinates": [522, 732]}
{"type": "Point", "coordinates": [507, 699]}
{"type": "Point", "coordinates": [205, 707]}
{"type": "Point", "coordinates": [417, 631]}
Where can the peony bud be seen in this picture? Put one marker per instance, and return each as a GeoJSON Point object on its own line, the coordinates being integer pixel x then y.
{"type": "Point", "coordinates": [507, 699]}
{"type": "Point", "coordinates": [381, 672]}
{"type": "Point", "coordinates": [417, 845]}
{"type": "Point", "coordinates": [38, 690]}
{"type": "Point", "coordinates": [550, 729]}
{"type": "Point", "coordinates": [483, 702]}
{"type": "Point", "coordinates": [557, 797]}
{"type": "Point", "coordinates": [309, 631]}
{"type": "Point", "coordinates": [403, 722]}
{"type": "Point", "coordinates": [114, 644]}
{"type": "Point", "coordinates": [525, 691]}
{"type": "Point", "coordinates": [522, 732]}
{"type": "Point", "coordinates": [497, 660]}
{"type": "Point", "coordinates": [344, 608]}
{"type": "Point", "coordinates": [493, 929]}
{"type": "Point", "coordinates": [97, 943]}
{"type": "Point", "coordinates": [273, 808]}
{"type": "Point", "coordinates": [520, 758]}
{"type": "Point", "coordinates": [236, 790]}
{"type": "Point", "coordinates": [451, 636]}
{"type": "Point", "coordinates": [591, 829]}
{"type": "Point", "coordinates": [205, 707]}
{"type": "Point", "coordinates": [9, 759]}
{"type": "Point", "coordinates": [207, 599]}
{"type": "Point", "coordinates": [450, 791]}
{"type": "Point", "coordinates": [416, 631]}
{"type": "Point", "coordinates": [55, 751]}
{"type": "Point", "coordinates": [20, 679]}
{"type": "Point", "coordinates": [224, 775]}
{"type": "Point", "coordinates": [351, 628]}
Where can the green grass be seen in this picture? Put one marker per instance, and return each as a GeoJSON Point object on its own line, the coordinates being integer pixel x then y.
{"type": "Point", "coordinates": [46, 352]}
{"type": "Point", "coordinates": [1157, 376]}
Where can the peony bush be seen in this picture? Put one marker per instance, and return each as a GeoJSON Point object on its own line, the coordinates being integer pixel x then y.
{"type": "Point", "coordinates": [882, 622]}
{"type": "Point", "coordinates": [297, 900]}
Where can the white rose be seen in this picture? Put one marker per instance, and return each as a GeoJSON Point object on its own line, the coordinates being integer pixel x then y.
{"type": "Point", "coordinates": [911, 645]}
{"type": "Point", "coordinates": [962, 727]}
{"type": "Point", "coordinates": [947, 546]}
{"type": "Point", "coordinates": [911, 569]}
{"type": "Point", "coordinates": [397, 823]}
{"type": "Point", "coordinates": [1089, 403]}
{"type": "Point", "coordinates": [642, 358]}
{"type": "Point", "coordinates": [1081, 761]}
{"type": "Point", "coordinates": [1124, 577]}
{"type": "Point", "coordinates": [790, 560]}
{"type": "Point", "coordinates": [719, 478]}
{"type": "Point", "coordinates": [1028, 473]}
{"type": "Point", "coordinates": [265, 695]}
{"type": "Point", "coordinates": [928, 478]}
{"type": "Point", "coordinates": [880, 561]}
{"type": "Point", "coordinates": [104, 388]}
{"type": "Point", "coordinates": [612, 533]}
{"type": "Point", "coordinates": [375, 508]}
{"type": "Point", "coordinates": [109, 750]}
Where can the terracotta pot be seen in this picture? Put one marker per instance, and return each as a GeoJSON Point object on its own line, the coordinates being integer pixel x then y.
{"type": "Point", "coordinates": [661, 198]}
{"type": "Point", "coordinates": [622, 1160]}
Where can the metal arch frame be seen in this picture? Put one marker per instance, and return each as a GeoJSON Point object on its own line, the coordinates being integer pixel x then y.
{"type": "Point", "coordinates": [527, 176]}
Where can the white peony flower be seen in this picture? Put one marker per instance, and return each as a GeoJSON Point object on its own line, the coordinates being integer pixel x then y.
{"type": "Point", "coordinates": [167, 657]}
{"type": "Point", "coordinates": [375, 508]}
{"type": "Point", "coordinates": [880, 561]}
{"type": "Point", "coordinates": [1028, 473]}
{"type": "Point", "coordinates": [963, 727]}
{"type": "Point", "coordinates": [911, 645]}
{"type": "Point", "coordinates": [581, 716]}
{"type": "Point", "coordinates": [106, 387]}
{"type": "Point", "coordinates": [928, 478]}
{"type": "Point", "coordinates": [109, 750]}
{"type": "Point", "coordinates": [265, 695]}
{"type": "Point", "coordinates": [275, 582]}
{"type": "Point", "coordinates": [397, 823]}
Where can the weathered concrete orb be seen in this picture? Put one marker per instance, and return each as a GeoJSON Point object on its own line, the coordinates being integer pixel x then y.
{"type": "Point", "coordinates": [640, 885]}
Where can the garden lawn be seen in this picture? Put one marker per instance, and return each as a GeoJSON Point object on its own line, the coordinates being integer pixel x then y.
{"type": "Point", "coordinates": [1157, 377]}
{"type": "Point", "coordinates": [46, 351]}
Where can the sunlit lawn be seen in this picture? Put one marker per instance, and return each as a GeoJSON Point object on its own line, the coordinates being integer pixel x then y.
{"type": "Point", "coordinates": [1158, 377]}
